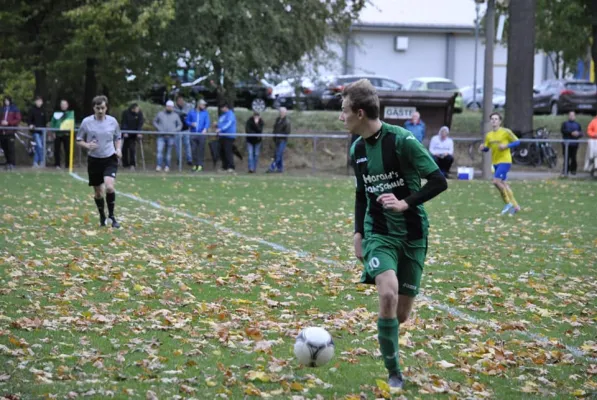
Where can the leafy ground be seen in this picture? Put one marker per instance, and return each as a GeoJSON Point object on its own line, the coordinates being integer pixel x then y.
{"type": "Point", "coordinates": [201, 293]}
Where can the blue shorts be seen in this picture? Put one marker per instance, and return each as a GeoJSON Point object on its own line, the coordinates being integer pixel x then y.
{"type": "Point", "coordinates": [501, 170]}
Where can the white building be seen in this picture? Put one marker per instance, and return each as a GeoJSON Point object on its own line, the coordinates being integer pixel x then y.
{"type": "Point", "coordinates": [405, 39]}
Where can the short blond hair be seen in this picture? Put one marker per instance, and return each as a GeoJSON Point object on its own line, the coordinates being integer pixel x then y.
{"type": "Point", "coordinates": [362, 96]}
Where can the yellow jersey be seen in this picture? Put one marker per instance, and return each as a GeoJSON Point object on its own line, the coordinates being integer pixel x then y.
{"type": "Point", "coordinates": [494, 139]}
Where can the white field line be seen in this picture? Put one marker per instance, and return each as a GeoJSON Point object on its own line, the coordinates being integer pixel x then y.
{"type": "Point", "coordinates": [575, 351]}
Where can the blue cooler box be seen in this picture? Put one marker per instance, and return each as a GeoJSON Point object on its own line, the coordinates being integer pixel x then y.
{"type": "Point", "coordinates": [466, 173]}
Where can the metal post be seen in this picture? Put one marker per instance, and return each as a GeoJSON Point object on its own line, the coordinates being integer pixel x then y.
{"type": "Point", "coordinates": [179, 153]}
{"type": "Point", "coordinates": [488, 79]}
{"type": "Point", "coordinates": [142, 153]}
{"type": "Point", "coordinates": [477, 7]}
{"type": "Point", "coordinates": [566, 157]}
{"type": "Point", "coordinates": [313, 167]}
{"type": "Point", "coordinates": [44, 150]}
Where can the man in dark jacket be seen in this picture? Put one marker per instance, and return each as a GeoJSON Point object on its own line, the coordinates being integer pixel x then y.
{"type": "Point", "coordinates": [38, 119]}
{"type": "Point", "coordinates": [9, 116]}
{"type": "Point", "coordinates": [571, 132]}
{"type": "Point", "coordinates": [182, 109]}
{"type": "Point", "coordinates": [132, 120]}
{"type": "Point", "coordinates": [254, 125]}
{"type": "Point", "coordinates": [62, 120]}
{"type": "Point", "coordinates": [281, 128]}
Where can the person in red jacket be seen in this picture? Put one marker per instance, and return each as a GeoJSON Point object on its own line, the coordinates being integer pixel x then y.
{"type": "Point", "coordinates": [591, 154]}
{"type": "Point", "coordinates": [9, 116]}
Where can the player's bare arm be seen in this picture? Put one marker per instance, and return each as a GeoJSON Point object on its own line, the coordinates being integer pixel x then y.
{"type": "Point", "coordinates": [118, 146]}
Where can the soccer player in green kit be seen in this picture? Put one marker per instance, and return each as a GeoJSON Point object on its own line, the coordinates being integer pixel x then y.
{"type": "Point", "coordinates": [390, 222]}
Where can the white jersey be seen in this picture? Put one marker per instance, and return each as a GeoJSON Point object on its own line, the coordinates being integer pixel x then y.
{"type": "Point", "coordinates": [105, 133]}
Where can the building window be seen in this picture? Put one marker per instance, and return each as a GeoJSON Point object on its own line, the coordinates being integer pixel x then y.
{"type": "Point", "coordinates": [401, 43]}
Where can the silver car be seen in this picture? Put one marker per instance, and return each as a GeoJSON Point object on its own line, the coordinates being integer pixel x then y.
{"type": "Point", "coordinates": [499, 98]}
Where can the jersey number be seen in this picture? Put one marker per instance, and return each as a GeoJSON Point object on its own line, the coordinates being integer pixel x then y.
{"type": "Point", "coordinates": [374, 263]}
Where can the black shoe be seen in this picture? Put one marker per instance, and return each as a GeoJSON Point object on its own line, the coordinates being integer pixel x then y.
{"type": "Point", "coordinates": [115, 223]}
{"type": "Point", "coordinates": [396, 381]}
{"type": "Point", "coordinates": [190, 163]}
{"type": "Point", "coordinates": [102, 221]}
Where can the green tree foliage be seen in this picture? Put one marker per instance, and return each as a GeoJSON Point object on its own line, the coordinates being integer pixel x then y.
{"type": "Point", "coordinates": [231, 43]}
{"type": "Point", "coordinates": [112, 38]}
{"type": "Point", "coordinates": [562, 30]}
{"type": "Point", "coordinates": [79, 48]}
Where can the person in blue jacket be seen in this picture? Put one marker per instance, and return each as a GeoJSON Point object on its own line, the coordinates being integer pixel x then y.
{"type": "Point", "coordinates": [416, 126]}
{"type": "Point", "coordinates": [198, 122]}
{"type": "Point", "coordinates": [227, 134]}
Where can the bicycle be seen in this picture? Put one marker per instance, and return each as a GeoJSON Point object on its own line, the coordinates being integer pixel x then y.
{"type": "Point", "coordinates": [473, 149]}
{"type": "Point", "coordinates": [26, 140]}
{"type": "Point", "coordinates": [536, 153]}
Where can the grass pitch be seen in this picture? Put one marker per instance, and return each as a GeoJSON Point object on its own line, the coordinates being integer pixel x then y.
{"type": "Point", "coordinates": [201, 293]}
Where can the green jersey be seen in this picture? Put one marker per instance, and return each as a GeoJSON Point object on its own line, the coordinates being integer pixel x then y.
{"type": "Point", "coordinates": [392, 161]}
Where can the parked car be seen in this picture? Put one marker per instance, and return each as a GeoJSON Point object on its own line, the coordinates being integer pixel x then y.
{"type": "Point", "coordinates": [330, 96]}
{"type": "Point", "coordinates": [307, 96]}
{"type": "Point", "coordinates": [475, 103]}
{"type": "Point", "coordinates": [253, 94]}
{"type": "Point", "coordinates": [256, 94]}
{"type": "Point", "coordinates": [561, 96]}
{"type": "Point", "coordinates": [436, 84]}
{"type": "Point", "coordinates": [159, 93]}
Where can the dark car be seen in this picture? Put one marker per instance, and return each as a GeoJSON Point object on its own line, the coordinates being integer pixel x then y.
{"type": "Point", "coordinates": [252, 94]}
{"type": "Point", "coordinates": [255, 94]}
{"type": "Point", "coordinates": [331, 99]}
{"type": "Point", "coordinates": [561, 96]}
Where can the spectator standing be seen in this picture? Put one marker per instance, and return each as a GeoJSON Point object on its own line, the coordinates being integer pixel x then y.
{"type": "Point", "coordinates": [182, 109]}
{"type": "Point", "coordinates": [441, 148]}
{"type": "Point", "coordinates": [591, 154]}
{"type": "Point", "coordinates": [198, 121]}
{"type": "Point", "coordinates": [227, 133]}
{"type": "Point", "coordinates": [64, 120]}
{"type": "Point", "coordinates": [282, 128]}
{"type": "Point", "coordinates": [571, 132]}
{"type": "Point", "coordinates": [166, 121]}
{"type": "Point", "coordinates": [416, 126]}
{"type": "Point", "coordinates": [254, 125]}
{"type": "Point", "coordinates": [10, 116]}
{"type": "Point", "coordinates": [38, 119]}
{"type": "Point", "coordinates": [132, 120]}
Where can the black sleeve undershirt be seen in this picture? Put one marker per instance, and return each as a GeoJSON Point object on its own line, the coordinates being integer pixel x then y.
{"type": "Point", "coordinates": [436, 183]}
{"type": "Point", "coordinates": [360, 208]}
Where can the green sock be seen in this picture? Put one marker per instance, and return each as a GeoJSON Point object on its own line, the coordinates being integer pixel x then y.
{"type": "Point", "coordinates": [388, 343]}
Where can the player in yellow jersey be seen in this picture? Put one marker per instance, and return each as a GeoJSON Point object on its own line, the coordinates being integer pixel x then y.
{"type": "Point", "coordinates": [500, 140]}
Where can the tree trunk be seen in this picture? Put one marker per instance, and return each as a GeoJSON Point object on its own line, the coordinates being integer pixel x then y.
{"type": "Point", "coordinates": [90, 85]}
{"type": "Point", "coordinates": [230, 90]}
{"type": "Point", "coordinates": [593, 11]}
{"type": "Point", "coordinates": [521, 65]}
{"type": "Point", "coordinates": [488, 79]}
{"type": "Point", "coordinates": [41, 83]}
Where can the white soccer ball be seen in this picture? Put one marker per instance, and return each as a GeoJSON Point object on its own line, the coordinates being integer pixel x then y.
{"type": "Point", "coordinates": [314, 347]}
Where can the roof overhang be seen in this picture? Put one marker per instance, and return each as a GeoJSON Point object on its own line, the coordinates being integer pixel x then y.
{"type": "Point", "coordinates": [404, 28]}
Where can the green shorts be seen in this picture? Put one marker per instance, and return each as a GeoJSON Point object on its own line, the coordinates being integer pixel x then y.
{"type": "Point", "coordinates": [405, 257]}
